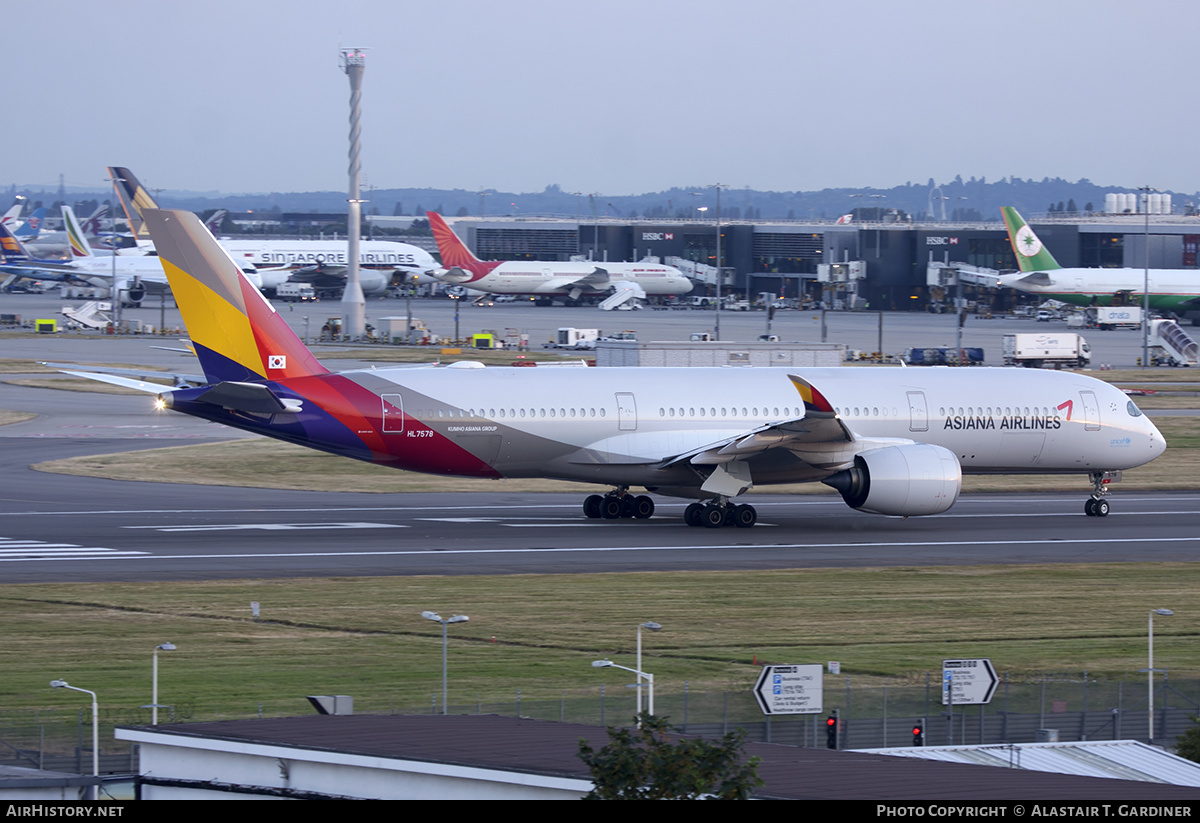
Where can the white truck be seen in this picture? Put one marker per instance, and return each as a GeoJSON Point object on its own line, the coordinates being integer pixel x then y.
{"type": "Point", "coordinates": [296, 292]}
{"type": "Point", "coordinates": [1039, 350]}
{"type": "Point", "coordinates": [569, 337]}
{"type": "Point", "coordinates": [1115, 317]}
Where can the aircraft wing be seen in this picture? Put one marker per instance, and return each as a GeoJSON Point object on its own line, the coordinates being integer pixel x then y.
{"type": "Point", "coordinates": [331, 275]}
{"type": "Point", "coordinates": [598, 279]}
{"type": "Point", "coordinates": [819, 432]}
{"type": "Point", "coordinates": [1036, 278]}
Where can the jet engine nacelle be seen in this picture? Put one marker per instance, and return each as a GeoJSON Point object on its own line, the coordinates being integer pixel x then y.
{"type": "Point", "coordinates": [906, 480]}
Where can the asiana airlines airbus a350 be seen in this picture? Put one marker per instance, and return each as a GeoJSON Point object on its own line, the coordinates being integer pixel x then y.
{"type": "Point", "coordinates": [891, 441]}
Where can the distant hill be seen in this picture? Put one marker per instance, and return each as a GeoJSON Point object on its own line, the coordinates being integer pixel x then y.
{"type": "Point", "coordinates": [973, 199]}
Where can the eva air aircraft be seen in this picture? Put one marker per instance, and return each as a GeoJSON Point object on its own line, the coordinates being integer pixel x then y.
{"type": "Point", "coordinates": [1175, 290]}
{"type": "Point", "coordinates": [892, 441]}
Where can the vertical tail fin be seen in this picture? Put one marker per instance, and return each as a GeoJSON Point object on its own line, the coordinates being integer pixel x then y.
{"type": "Point", "coordinates": [1031, 254]}
{"type": "Point", "coordinates": [12, 215]}
{"type": "Point", "coordinates": [237, 334]}
{"type": "Point", "coordinates": [30, 229]}
{"type": "Point", "coordinates": [12, 253]}
{"type": "Point", "coordinates": [453, 251]}
{"type": "Point", "coordinates": [81, 249]}
{"type": "Point", "coordinates": [134, 199]}
{"type": "Point", "coordinates": [91, 225]}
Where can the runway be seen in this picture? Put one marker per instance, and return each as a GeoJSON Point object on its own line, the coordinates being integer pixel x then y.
{"type": "Point", "coordinates": [60, 528]}
{"type": "Point", "coordinates": [63, 528]}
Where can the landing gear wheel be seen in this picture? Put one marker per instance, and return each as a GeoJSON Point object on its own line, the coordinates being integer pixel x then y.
{"type": "Point", "coordinates": [713, 517]}
{"type": "Point", "coordinates": [1101, 508]}
{"type": "Point", "coordinates": [744, 516]}
{"type": "Point", "coordinates": [591, 506]}
{"type": "Point", "coordinates": [627, 507]}
{"type": "Point", "coordinates": [643, 507]}
{"type": "Point", "coordinates": [1089, 507]}
{"type": "Point", "coordinates": [610, 508]}
{"type": "Point", "coordinates": [693, 514]}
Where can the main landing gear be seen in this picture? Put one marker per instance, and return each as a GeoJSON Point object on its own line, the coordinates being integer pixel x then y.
{"type": "Point", "coordinates": [720, 512]}
{"type": "Point", "coordinates": [618, 504]}
{"type": "Point", "coordinates": [1097, 504]}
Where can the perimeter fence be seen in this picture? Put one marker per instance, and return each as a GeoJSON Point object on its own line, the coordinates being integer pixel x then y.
{"type": "Point", "coordinates": [1072, 708]}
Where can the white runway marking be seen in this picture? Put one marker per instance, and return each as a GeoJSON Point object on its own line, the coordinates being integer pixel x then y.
{"type": "Point", "coordinates": [13, 549]}
{"type": "Point", "coordinates": [269, 527]}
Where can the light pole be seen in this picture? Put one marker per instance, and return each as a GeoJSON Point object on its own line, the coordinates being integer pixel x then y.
{"type": "Point", "coordinates": [1150, 668]}
{"type": "Point", "coordinates": [649, 678]}
{"type": "Point", "coordinates": [437, 618]}
{"type": "Point", "coordinates": [717, 322]}
{"type": "Point", "coordinates": [166, 647]}
{"type": "Point", "coordinates": [654, 627]}
{"type": "Point", "coordinates": [1146, 191]}
{"type": "Point", "coordinates": [62, 684]}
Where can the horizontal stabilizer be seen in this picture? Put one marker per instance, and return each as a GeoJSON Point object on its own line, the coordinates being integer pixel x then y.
{"type": "Point", "coordinates": [118, 380]}
{"type": "Point", "coordinates": [248, 397]}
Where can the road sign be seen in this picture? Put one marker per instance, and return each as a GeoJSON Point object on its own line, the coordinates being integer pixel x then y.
{"type": "Point", "coordinates": [972, 681]}
{"type": "Point", "coordinates": [789, 689]}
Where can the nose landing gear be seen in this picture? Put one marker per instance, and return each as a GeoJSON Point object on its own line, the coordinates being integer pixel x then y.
{"type": "Point", "coordinates": [1097, 504]}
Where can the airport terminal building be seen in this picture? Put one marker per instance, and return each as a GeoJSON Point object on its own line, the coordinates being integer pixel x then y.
{"type": "Point", "coordinates": [880, 265]}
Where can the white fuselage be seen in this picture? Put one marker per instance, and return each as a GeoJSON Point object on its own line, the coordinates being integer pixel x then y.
{"type": "Point", "coordinates": [1169, 289]}
{"type": "Point", "coordinates": [376, 254]}
{"type": "Point", "coordinates": [516, 277]}
{"type": "Point", "coordinates": [569, 423]}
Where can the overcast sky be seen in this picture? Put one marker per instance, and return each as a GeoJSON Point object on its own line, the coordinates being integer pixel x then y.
{"type": "Point", "coordinates": [616, 97]}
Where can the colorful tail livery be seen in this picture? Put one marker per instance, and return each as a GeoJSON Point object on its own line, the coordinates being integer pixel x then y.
{"type": "Point", "coordinates": [236, 332]}
{"type": "Point", "coordinates": [455, 254]}
{"type": "Point", "coordinates": [1031, 254]}
{"type": "Point", "coordinates": [134, 199]}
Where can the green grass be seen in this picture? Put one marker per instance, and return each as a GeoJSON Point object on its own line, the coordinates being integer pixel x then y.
{"type": "Point", "coordinates": [365, 637]}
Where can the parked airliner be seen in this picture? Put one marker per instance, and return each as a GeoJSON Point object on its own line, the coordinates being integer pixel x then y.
{"type": "Point", "coordinates": [892, 441]}
{"type": "Point", "coordinates": [572, 280]}
{"type": "Point", "coordinates": [1176, 290]}
{"type": "Point", "coordinates": [323, 263]}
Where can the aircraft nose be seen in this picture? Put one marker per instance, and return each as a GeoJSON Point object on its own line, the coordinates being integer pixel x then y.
{"type": "Point", "coordinates": [1158, 443]}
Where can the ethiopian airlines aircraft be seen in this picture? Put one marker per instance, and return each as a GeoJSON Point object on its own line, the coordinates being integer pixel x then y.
{"type": "Point", "coordinates": [1176, 290]}
{"type": "Point", "coordinates": [572, 280]}
{"type": "Point", "coordinates": [892, 441]}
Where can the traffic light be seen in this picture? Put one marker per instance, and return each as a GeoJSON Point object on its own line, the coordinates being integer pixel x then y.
{"type": "Point", "coordinates": [831, 730]}
{"type": "Point", "coordinates": [918, 732]}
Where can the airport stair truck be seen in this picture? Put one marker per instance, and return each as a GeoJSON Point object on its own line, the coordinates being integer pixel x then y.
{"type": "Point", "coordinates": [1036, 351]}
{"type": "Point", "coordinates": [1172, 345]}
{"type": "Point", "coordinates": [90, 315]}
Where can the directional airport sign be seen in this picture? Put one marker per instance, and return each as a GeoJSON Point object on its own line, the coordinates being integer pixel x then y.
{"type": "Point", "coordinates": [789, 689]}
{"type": "Point", "coordinates": [971, 681]}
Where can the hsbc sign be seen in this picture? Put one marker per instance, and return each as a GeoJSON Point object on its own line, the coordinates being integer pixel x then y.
{"type": "Point", "coordinates": [941, 241]}
{"type": "Point", "coordinates": [657, 235]}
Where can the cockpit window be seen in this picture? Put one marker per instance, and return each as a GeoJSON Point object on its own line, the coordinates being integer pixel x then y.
{"type": "Point", "coordinates": [1133, 410]}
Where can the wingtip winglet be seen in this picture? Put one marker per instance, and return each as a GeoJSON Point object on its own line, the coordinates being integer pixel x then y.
{"type": "Point", "coordinates": [814, 401]}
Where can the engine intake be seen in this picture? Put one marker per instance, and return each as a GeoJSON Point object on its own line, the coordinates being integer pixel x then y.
{"type": "Point", "coordinates": [905, 481]}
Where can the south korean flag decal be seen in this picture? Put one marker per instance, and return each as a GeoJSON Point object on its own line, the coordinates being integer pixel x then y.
{"type": "Point", "coordinates": [277, 361]}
